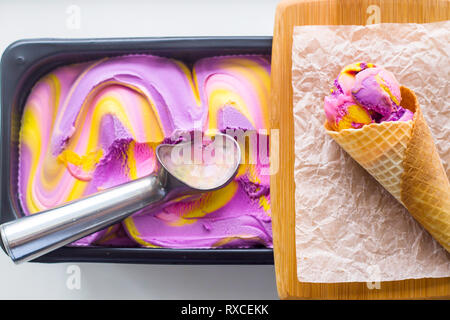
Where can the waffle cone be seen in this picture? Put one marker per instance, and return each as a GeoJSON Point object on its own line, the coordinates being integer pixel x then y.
{"type": "Point", "coordinates": [402, 157]}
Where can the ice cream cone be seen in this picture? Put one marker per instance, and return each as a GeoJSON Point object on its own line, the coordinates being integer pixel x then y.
{"type": "Point", "coordinates": [402, 156]}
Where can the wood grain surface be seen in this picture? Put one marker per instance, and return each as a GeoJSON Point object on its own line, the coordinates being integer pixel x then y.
{"type": "Point", "coordinates": [329, 12]}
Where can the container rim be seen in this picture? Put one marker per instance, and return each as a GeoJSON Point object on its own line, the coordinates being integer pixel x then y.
{"type": "Point", "coordinates": [19, 65]}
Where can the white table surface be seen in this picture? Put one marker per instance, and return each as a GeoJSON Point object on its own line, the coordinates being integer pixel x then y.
{"type": "Point", "coordinates": [133, 18]}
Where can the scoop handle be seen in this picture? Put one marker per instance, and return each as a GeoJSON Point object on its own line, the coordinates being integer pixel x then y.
{"type": "Point", "coordinates": [32, 236]}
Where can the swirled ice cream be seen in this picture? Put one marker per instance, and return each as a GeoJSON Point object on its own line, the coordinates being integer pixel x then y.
{"type": "Point", "coordinates": [94, 125]}
{"type": "Point", "coordinates": [362, 94]}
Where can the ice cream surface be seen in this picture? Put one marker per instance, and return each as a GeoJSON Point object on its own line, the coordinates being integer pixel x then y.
{"type": "Point", "coordinates": [362, 94]}
{"type": "Point", "coordinates": [90, 126]}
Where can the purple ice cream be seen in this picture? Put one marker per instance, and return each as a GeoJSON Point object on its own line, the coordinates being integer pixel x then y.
{"type": "Point", "coordinates": [364, 93]}
{"type": "Point", "coordinates": [91, 126]}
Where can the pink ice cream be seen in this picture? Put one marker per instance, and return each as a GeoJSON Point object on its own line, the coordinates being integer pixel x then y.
{"type": "Point", "coordinates": [88, 127]}
{"type": "Point", "coordinates": [364, 93]}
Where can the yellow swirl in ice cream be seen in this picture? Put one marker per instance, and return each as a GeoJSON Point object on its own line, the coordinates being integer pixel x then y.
{"type": "Point", "coordinates": [91, 126]}
{"type": "Point", "coordinates": [362, 94]}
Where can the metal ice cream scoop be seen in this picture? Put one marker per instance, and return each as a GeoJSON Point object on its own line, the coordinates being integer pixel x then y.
{"type": "Point", "coordinates": [186, 168]}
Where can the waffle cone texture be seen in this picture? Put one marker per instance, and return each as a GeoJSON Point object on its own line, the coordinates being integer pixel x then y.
{"type": "Point", "coordinates": [402, 157]}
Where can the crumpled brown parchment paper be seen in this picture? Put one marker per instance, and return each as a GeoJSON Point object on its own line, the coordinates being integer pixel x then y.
{"type": "Point", "coordinates": [348, 228]}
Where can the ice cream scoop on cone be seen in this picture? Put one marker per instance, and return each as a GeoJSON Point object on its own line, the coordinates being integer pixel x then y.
{"type": "Point", "coordinates": [402, 157]}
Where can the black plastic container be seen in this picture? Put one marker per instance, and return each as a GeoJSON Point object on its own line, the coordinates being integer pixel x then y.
{"type": "Point", "coordinates": [26, 61]}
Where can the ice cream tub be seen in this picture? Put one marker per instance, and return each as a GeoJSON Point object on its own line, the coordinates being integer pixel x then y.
{"type": "Point", "coordinates": [26, 61]}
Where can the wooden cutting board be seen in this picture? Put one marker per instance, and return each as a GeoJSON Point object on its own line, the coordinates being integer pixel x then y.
{"type": "Point", "coordinates": [329, 12]}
